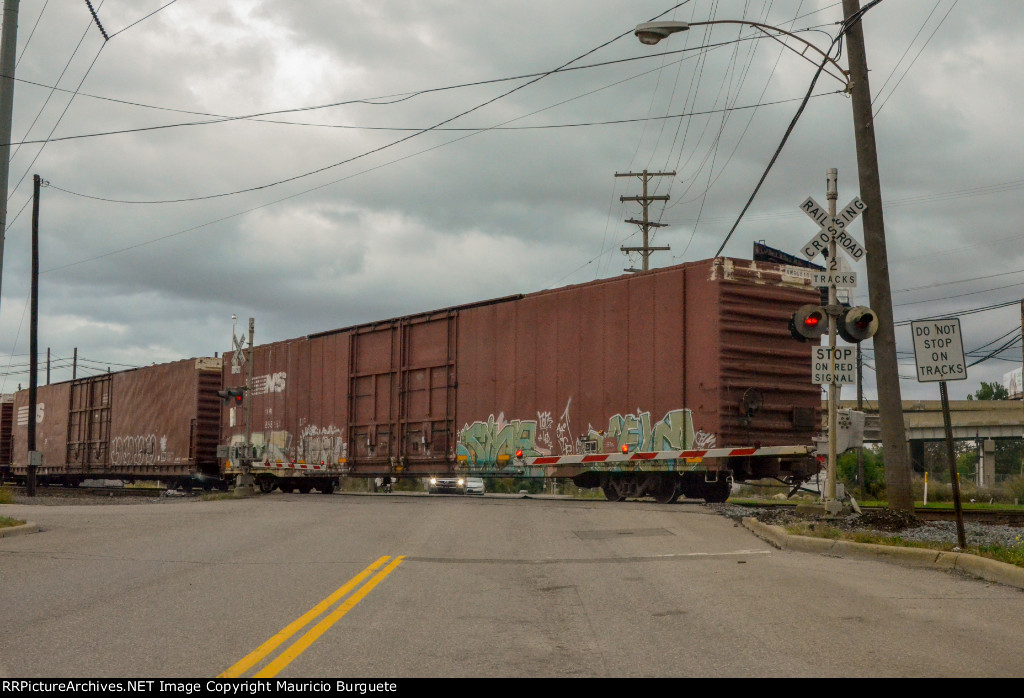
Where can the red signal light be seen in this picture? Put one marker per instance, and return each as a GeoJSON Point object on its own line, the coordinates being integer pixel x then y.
{"type": "Point", "coordinates": [519, 453]}
{"type": "Point", "coordinates": [625, 448]}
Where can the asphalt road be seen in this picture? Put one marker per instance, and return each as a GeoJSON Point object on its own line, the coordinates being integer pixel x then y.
{"type": "Point", "coordinates": [452, 586]}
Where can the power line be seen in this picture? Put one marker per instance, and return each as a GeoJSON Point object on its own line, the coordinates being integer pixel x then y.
{"type": "Point", "coordinates": [369, 152]}
{"type": "Point", "coordinates": [941, 22]}
{"type": "Point", "coordinates": [370, 101]}
{"type": "Point", "coordinates": [537, 127]}
{"type": "Point", "coordinates": [162, 7]}
{"type": "Point", "coordinates": [958, 313]}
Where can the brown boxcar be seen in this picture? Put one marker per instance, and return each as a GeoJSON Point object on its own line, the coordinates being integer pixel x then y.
{"type": "Point", "coordinates": [159, 422]}
{"type": "Point", "coordinates": [694, 356]}
{"type": "Point", "coordinates": [6, 434]}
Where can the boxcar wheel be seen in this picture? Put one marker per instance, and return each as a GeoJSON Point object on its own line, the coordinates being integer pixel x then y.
{"type": "Point", "coordinates": [717, 492]}
{"type": "Point", "coordinates": [667, 490]}
{"type": "Point", "coordinates": [612, 493]}
{"type": "Point", "coordinates": [266, 485]}
{"type": "Point", "coordinates": [305, 488]}
{"type": "Point", "coordinates": [326, 487]}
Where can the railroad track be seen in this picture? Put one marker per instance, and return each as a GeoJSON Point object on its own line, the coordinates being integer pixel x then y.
{"type": "Point", "coordinates": [86, 492]}
{"type": "Point", "coordinates": [981, 516]}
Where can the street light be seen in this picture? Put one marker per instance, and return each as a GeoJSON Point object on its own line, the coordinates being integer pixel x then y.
{"type": "Point", "coordinates": [650, 33]}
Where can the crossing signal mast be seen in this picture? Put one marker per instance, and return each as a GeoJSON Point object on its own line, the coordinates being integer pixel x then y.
{"type": "Point", "coordinates": [833, 365]}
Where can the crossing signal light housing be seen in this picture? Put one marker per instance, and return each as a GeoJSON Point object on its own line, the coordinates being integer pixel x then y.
{"type": "Point", "coordinates": [808, 322]}
{"type": "Point", "coordinates": [232, 396]}
{"type": "Point", "coordinates": [857, 324]}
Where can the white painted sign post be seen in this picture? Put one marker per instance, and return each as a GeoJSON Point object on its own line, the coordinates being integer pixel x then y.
{"type": "Point", "coordinates": [833, 366]}
{"type": "Point", "coordinates": [939, 355]}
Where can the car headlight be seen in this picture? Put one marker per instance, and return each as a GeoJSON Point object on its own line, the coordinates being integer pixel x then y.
{"type": "Point", "coordinates": [461, 482]}
{"type": "Point", "coordinates": [433, 481]}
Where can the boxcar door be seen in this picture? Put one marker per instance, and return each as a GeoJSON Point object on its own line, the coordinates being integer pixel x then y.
{"type": "Point", "coordinates": [89, 424]}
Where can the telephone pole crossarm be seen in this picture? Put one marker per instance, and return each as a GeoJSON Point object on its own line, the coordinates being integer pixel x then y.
{"type": "Point", "coordinates": [646, 223]}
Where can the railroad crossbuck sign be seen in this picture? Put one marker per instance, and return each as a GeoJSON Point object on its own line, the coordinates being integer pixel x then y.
{"type": "Point", "coordinates": [836, 226]}
{"type": "Point", "coordinates": [939, 350]}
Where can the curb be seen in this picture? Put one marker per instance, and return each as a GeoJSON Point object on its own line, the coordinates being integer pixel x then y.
{"type": "Point", "coordinates": [981, 567]}
{"type": "Point", "coordinates": [27, 527]}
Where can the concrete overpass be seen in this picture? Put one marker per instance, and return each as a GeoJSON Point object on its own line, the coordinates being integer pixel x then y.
{"type": "Point", "coordinates": [982, 420]}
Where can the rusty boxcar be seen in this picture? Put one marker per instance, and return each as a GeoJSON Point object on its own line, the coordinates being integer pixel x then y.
{"type": "Point", "coordinates": [158, 423]}
{"type": "Point", "coordinates": [672, 381]}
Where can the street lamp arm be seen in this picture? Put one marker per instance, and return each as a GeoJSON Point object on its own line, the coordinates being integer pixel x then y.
{"type": "Point", "coordinates": [653, 32]}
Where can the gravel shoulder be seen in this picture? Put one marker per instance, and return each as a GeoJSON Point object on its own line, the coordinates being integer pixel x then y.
{"type": "Point", "coordinates": [887, 523]}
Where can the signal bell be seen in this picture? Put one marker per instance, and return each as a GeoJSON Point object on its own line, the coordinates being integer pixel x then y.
{"type": "Point", "coordinates": [857, 324]}
{"type": "Point", "coordinates": [808, 322]}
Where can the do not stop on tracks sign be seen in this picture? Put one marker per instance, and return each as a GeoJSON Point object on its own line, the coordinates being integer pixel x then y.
{"type": "Point", "coordinates": [939, 350]}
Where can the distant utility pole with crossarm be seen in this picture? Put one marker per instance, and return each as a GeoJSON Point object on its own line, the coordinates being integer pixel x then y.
{"type": "Point", "coordinates": [645, 224]}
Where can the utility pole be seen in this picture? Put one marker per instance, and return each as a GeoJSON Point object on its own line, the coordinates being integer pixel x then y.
{"type": "Point", "coordinates": [33, 345]}
{"type": "Point", "coordinates": [8, 46]}
{"type": "Point", "coordinates": [890, 408]}
{"type": "Point", "coordinates": [645, 224]}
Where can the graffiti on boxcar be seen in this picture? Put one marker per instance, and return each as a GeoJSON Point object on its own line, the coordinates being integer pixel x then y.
{"type": "Point", "coordinates": [482, 442]}
{"type": "Point", "coordinates": [314, 445]}
{"type": "Point", "coordinates": [635, 431]}
{"type": "Point", "coordinates": [564, 433]}
{"type": "Point", "coordinates": [498, 438]}
{"type": "Point", "coordinates": [138, 449]}
{"type": "Point", "coordinates": [703, 440]}
{"type": "Point", "coordinates": [321, 444]}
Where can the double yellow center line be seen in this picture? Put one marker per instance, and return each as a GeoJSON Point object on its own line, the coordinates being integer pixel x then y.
{"type": "Point", "coordinates": [299, 646]}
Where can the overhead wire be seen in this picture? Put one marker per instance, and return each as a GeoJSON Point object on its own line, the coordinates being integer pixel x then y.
{"type": "Point", "coordinates": [941, 22]}
{"type": "Point", "coordinates": [378, 149]}
{"type": "Point", "coordinates": [837, 41]}
{"type": "Point", "coordinates": [290, 196]}
{"type": "Point", "coordinates": [31, 34]}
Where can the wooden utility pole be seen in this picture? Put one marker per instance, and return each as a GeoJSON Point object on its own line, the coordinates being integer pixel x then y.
{"type": "Point", "coordinates": [890, 408]}
{"type": "Point", "coordinates": [645, 224]}
{"type": "Point", "coordinates": [8, 44]}
{"type": "Point", "coordinates": [33, 344]}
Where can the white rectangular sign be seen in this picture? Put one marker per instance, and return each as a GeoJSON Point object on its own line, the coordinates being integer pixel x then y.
{"type": "Point", "coordinates": [824, 279]}
{"type": "Point", "coordinates": [846, 366]}
{"type": "Point", "coordinates": [939, 350]}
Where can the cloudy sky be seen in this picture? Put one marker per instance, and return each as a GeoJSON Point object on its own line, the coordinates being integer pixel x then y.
{"type": "Point", "coordinates": [267, 158]}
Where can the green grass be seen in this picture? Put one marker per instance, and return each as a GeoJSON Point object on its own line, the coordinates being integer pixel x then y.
{"type": "Point", "coordinates": [6, 522]}
{"type": "Point", "coordinates": [6, 495]}
{"type": "Point", "coordinates": [1013, 555]}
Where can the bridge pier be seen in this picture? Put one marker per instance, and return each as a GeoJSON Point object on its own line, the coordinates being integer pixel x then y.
{"type": "Point", "coordinates": [917, 455]}
{"type": "Point", "coordinates": [987, 464]}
